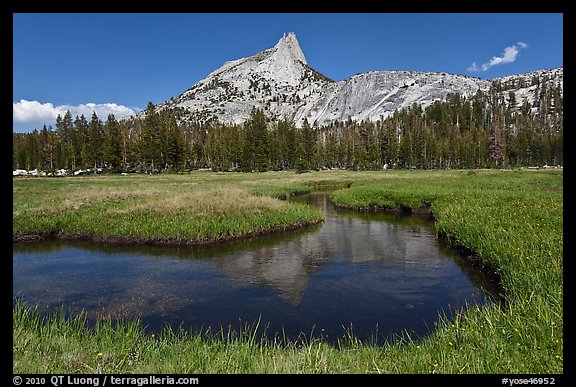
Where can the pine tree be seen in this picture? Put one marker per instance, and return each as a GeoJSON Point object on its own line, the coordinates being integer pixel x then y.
{"type": "Point", "coordinates": [497, 146]}
{"type": "Point", "coordinates": [309, 145]}
{"type": "Point", "coordinates": [112, 152]}
{"type": "Point", "coordinates": [82, 129]}
{"type": "Point", "coordinates": [94, 143]}
{"type": "Point", "coordinates": [127, 144]}
{"type": "Point", "coordinates": [33, 158]}
{"type": "Point", "coordinates": [300, 162]}
{"type": "Point", "coordinates": [291, 144]}
{"type": "Point", "coordinates": [248, 148]}
{"type": "Point", "coordinates": [47, 146]}
{"type": "Point", "coordinates": [261, 140]}
{"type": "Point", "coordinates": [149, 146]}
{"type": "Point", "coordinates": [331, 151]}
{"type": "Point", "coordinates": [19, 155]}
{"type": "Point", "coordinates": [373, 157]}
{"type": "Point", "coordinates": [68, 153]}
{"type": "Point", "coordinates": [388, 142]}
{"type": "Point", "coordinates": [175, 146]}
{"type": "Point", "coordinates": [405, 149]}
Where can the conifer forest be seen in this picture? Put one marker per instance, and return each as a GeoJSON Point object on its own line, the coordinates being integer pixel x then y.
{"type": "Point", "coordinates": [487, 130]}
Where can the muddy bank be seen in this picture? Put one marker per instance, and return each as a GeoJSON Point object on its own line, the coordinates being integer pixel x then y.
{"type": "Point", "coordinates": [57, 235]}
{"type": "Point", "coordinates": [491, 272]}
{"type": "Point", "coordinates": [422, 211]}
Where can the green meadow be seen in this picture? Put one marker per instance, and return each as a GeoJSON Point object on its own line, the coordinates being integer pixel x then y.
{"type": "Point", "coordinates": [511, 220]}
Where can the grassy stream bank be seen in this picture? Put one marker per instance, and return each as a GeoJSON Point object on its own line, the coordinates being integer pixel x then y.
{"type": "Point", "coordinates": [511, 220]}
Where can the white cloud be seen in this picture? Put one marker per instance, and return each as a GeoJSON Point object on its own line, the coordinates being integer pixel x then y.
{"type": "Point", "coordinates": [36, 113]}
{"type": "Point", "coordinates": [473, 67]}
{"type": "Point", "coordinates": [33, 111]}
{"type": "Point", "coordinates": [508, 56]}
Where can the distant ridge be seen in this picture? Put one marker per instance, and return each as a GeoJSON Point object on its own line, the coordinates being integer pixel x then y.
{"type": "Point", "coordinates": [279, 81]}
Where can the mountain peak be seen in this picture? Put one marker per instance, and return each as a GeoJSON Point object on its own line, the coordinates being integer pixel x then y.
{"type": "Point", "coordinates": [280, 81]}
{"type": "Point", "coordinates": [288, 46]}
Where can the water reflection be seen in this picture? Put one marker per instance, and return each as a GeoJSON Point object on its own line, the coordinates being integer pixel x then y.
{"type": "Point", "coordinates": [369, 270]}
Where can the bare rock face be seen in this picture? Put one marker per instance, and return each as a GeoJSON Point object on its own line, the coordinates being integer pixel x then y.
{"type": "Point", "coordinates": [280, 82]}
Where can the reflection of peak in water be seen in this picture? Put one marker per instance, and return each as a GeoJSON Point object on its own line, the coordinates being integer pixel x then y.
{"type": "Point", "coordinates": [287, 266]}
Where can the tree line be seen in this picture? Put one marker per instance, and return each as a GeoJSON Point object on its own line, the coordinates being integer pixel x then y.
{"type": "Point", "coordinates": [486, 130]}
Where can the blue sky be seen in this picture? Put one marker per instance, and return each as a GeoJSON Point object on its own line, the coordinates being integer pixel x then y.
{"type": "Point", "coordinates": [116, 63]}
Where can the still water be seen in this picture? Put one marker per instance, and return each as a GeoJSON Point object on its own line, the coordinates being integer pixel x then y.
{"type": "Point", "coordinates": [375, 275]}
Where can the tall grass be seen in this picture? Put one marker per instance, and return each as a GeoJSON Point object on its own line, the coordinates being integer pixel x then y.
{"type": "Point", "coordinates": [173, 209]}
{"type": "Point", "coordinates": [512, 220]}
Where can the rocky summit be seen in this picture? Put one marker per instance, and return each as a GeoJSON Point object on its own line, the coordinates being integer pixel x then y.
{"type": "Point", "coordinates": [279, 81]}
